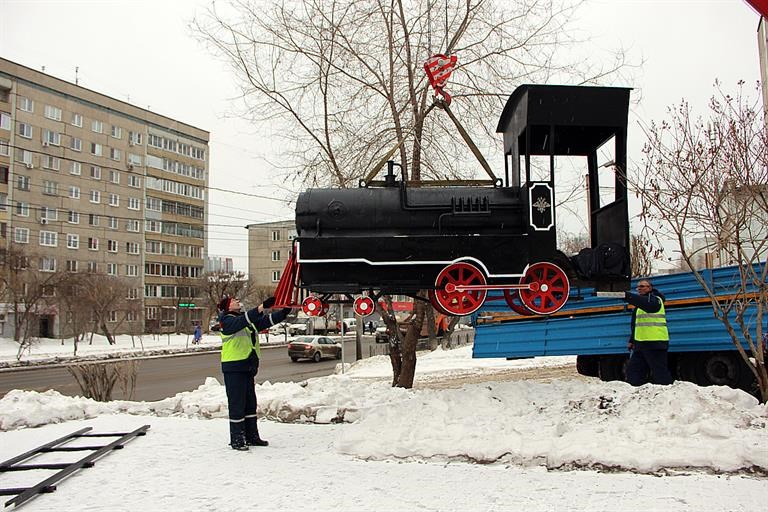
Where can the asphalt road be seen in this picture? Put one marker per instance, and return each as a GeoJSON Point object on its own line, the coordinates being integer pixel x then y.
{"type": "Point", "coordinates": [162, 377]}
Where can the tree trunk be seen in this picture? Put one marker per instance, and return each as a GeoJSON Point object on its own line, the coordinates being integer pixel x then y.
{"type": "Point", "coordinates": [408, 370]}
{"type": "Point", "coordinates": [110, 338]}
{"type": "Point", "coordinates": [396, 357]}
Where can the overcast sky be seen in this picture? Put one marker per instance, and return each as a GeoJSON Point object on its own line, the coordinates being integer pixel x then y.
{"type": "Point", "coordinates": [142, 51]}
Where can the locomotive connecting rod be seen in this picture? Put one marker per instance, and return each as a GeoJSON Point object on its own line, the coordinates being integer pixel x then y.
{"type": "Point", "coordinates": [534, 287]}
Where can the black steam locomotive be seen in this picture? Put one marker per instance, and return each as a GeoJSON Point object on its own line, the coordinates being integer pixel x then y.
{"type": "Point", "coordinates": [460, 241]}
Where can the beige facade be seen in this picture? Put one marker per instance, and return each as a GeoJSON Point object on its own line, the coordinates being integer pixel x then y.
{"type": "Point", "coordinates": [269, 245]}
{"type": "Point", "coordinates": [89, 183]}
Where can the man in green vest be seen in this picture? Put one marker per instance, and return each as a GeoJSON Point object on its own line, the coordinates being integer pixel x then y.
{"type": "Point", "coordinates": [649, 338]}
{"type": "Point", "coordinates": [240, 353]}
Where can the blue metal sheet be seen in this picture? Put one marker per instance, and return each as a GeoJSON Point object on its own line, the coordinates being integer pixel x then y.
{"type": "Point", "coordinates": [691, 328]}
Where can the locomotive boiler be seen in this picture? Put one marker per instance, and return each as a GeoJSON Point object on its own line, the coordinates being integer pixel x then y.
{"type": "Point", "coordinates": [459, 241]}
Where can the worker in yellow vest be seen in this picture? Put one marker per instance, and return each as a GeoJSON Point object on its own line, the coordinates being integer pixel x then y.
{"type": "Point", "coordinates": [240, 353]}
{"type": "Point", "coordinates": [649, 338]}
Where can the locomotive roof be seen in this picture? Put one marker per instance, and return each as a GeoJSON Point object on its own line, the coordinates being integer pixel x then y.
{"type": "Point", "coordinates": [584, 117]}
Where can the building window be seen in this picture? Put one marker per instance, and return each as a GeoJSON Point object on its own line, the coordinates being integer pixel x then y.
{"type": "Point", "coordinates": [74, 192]}
{"type": "Point", "coordinates": [133, 203]}
{"type": "Point", "coordinates": [93, 243]}
{"type": "Point", "coordinates": [5, 148]}
{"type": "Point", "coordinates": [77, 119]}
{"type": "Point", "coordinates": [75, 168]}
{"type": "Point", "coordinates": [151, 312]}
{"type": "Point", "coordinates": [134, 181]}
{"type": "Point", "coordinates": [97, 126]}
{"type": "Point", "coordinates": [73, 217]}
{"type": "Point", "coordinates": [117, 132]}
{"type": "Point", "coordinates": [93, 219]}
{"type": "Point", "coordinates": [25, 130]}
{"type": "Point", "coordinates": [22, 209]}
{"type": "Point", "coordinates": [52, 113]}
{"type": "Point", "coordinates": [275, 255]}
{"type": "Point", "coordinates": [112, 269]}
{"type": "Point", "coordinates": [154, 204]}
{"type": "Point", "coordinates": [153, 247]}
{"type": "Point", "coordinates": [73, 241]}
{"type": "Point", "coordinates": [50, 188]}
{"type": "Point", "coordinates": [47, 264]}
{"type": "Point", "coordinates": [152, 226]}
{"type": "Point", "coordinates": [114, 200]}
{"type": "Point", "coordinates": [132, 270]}
{"type": "Point", "coordinates": [51, 138]}
{"type": "Point", "coordinates": [76, 144]}
{"type": "Point", "coordinates": [5, 121]}
{"type": "Point", "coordinates": [48, 238]}
{"type": "Point", "coordinates": [95, 196]}
{"type": "Point", "coordinates": [115, 154]}
{"type": "Point", "coordinates": [133, 293]}
{"type": "Point", "coordinates": [26, 104]}
{"type": "Point", "coordinates": [134, 138]}
{"type": "Point", "coordinates": [21, 235]}
{"type": "Point", "coordinates": [71, 265]}
{"type": "Point", "coordinates": [114, 176]}
{"type": "Point", "coordinates": [93, 266]}
{"type": "Point", "coordinates": [96, 172]}
{"type": "Point", "coordinates": [132, 247]}
{"type": "Point", "coordinates": [275, 236]}
{"type": "Point", "coordinates": [112, 245]}
{"type": "Point", "coordinates": [3, 202]}
{"type": "Point", "coordinates": [132, 226]}
{"type": "Point", "coordinates": [112, 222]}
{"type": "Point", "coordinates": [96, 149]}
{"type": "Point", "coordinates": [51, 162]}
{"type": "Point", "coordinates": [275, 276]}
{"type": "Point", "coordinates": [22, 182]}
{"type": "Point", "coordinates": [49, 213]}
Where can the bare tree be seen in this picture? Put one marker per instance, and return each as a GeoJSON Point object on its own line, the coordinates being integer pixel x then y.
{"type": "Point", "coordinates": [29, 286]}
{"type": "Point", "coordinates": [345, 79]}
{"type": "Point", "coordinates": [705, 180]}
{"type": "Point", "coordinates": [106, 298]}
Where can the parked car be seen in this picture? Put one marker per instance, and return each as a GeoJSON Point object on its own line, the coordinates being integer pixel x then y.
{"type": "Point", "coordinates": [313, 347]}
{"type": "Point", "coordinates": [297, 329]}
{"type": "Point", "coordinates": [278, 328]}
{"type": "Point", "coordinates": [382, 334]}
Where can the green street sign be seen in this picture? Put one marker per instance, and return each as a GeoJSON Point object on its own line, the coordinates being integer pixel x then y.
{"type": "Point", "coordinates": [187, 305]}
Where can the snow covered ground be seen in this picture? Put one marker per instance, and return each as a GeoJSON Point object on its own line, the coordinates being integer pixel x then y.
{"type": "Point", "coordinates": [351, 442]}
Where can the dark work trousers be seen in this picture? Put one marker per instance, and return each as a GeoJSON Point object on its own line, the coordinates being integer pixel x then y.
{"type": "Point", "coordinates": [653, 361]}
{"type": "Point", "coordinates": [241, 400]}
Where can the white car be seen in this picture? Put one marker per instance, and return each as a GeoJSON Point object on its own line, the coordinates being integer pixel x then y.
{"type": "Point", "coordinates": [278, 328]}
{"type": "Point", "coordinates": [297, 329]}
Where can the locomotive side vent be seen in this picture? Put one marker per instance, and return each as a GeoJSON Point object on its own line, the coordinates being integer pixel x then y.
{"type": "Point", "coordinates": [468, 205]}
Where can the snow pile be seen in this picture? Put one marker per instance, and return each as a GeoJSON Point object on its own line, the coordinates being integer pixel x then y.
{"type": "Point", "coordinates": [558, 424]}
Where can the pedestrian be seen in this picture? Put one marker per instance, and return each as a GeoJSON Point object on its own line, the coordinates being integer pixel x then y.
{"type": "Point", "coordinates": [240, 353]}
{"type": "Point", "coordinates": [649, 338]}
{"type": "Point", "coordinates": [197, 336]}
{"type": "Point", "coordinates": [370, 327]}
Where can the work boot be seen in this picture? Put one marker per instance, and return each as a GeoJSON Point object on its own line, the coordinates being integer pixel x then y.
{"type": "Point", "coordinates": [252, 433]}
{"type": "Point", "coordinates": [237, 437]}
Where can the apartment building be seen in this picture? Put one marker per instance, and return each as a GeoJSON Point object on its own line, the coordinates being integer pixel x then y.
{"type": "Point", "coordinates": [89, 183]}
{"type": "Point", "coordinates": [269, 245]}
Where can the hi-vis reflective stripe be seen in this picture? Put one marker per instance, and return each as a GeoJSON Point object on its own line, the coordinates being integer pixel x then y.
{"type": "Point", "coordinates": [237, 421]}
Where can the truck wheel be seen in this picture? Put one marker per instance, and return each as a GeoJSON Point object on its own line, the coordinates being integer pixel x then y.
{"type": "Point", "coordinates": [316, 358]}
{"type": "Point", "coordinates": [294, 359]}
{"type": "Point", "coordinates": [612, 367]}
{"type": "Point", "coordinates": [723, 369]}
{"type": "Point", "coordinates": [588, 366]}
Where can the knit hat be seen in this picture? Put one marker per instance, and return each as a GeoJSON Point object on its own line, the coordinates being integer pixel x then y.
{"type": "Point", "coordinates": [224, 303]}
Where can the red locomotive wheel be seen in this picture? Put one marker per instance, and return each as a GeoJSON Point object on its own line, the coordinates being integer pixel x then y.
{"type": "Point", "coordinates": [549, 288]}
{"type": "Point", "coordinates": [513, 301]}
{"type": "Point", "coordinates": [363, 306]}
{"type": "Point", "coordinates": [436, 304]}
{"type": "Point", "coordinates": [460, 302]}
{"type": "Point", "coordinates": [312, 306]}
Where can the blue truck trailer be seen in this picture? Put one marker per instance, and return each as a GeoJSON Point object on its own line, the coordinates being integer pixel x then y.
{"type": "Point", "coordinates": [596, 330]}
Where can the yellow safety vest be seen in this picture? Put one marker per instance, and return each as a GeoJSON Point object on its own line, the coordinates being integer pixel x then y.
{"type": "Point", "coordinates": [651, 326]}
{"type": "Point", "coordinates": [238, 346]}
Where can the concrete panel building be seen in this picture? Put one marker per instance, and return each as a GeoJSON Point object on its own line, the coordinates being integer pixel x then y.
{"type": "Point", "coordinates": [89, 183]}
{"type": "Point", "coordinates": [269, 245]}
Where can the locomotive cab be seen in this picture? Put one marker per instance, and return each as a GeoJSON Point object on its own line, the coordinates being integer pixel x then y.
{"type": "Point", "coordinates": [460, 240]}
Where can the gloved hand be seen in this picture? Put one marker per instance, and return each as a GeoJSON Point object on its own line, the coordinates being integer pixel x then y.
{"type": "Point", "coordinates": [268, 302]}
